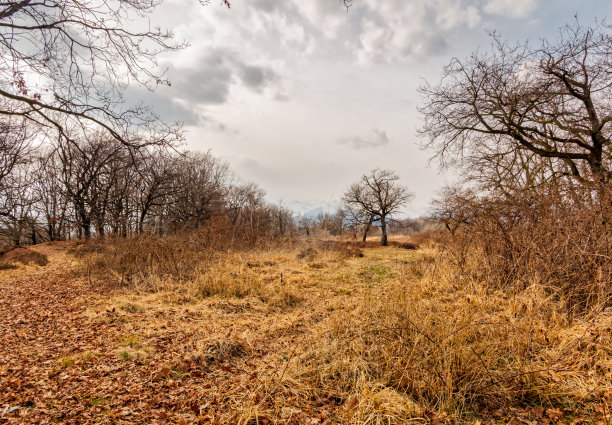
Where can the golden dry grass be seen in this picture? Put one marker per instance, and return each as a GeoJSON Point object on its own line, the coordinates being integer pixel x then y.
{"type": "Point", "coordinates": [21, 255]}
{"type": "Point", "coordinates": [394, 336]}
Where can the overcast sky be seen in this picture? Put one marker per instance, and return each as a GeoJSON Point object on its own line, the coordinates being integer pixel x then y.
{"type": "Point", "coordinates": [302, 97]}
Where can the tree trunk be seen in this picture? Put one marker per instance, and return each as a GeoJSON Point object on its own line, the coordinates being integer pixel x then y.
{"type": "Point", "coordinates": [383, 228]}
{"type": "Point", "coordinates": [141, 218]}
{"type": "Point", "coordinates": [367, 229]}
{"type": "Point", "coordinates": [86, 230]}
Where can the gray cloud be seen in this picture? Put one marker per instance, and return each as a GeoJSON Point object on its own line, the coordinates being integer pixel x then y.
{"type": "Point", "coordinates": [267, 5]}
{"type": "Point", "coordinates": [207, 82]}
{"type": "Point", "coordinates": [163, 105]}
{"type": "Point", "coordinates": [204, 83]}
{"type": "Point", "coordinates": [172, 110]}
{"type": "Point", "coordinates": [257, 77]}
{"type": "Point", "coordinates": [375, 139]}
{"type": "Point", "coordinates": [210, 123]}
{"type": "Point", "coordinates": [209, 79]}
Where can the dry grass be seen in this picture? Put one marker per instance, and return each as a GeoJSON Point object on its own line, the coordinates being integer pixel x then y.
{"type": "Point", "coordinates": [21, 255]}
{"type": "Point", "coordinates": [443, 348]}
{"type": "Point", "coordinates": [553, 236]}
{"type": "Point", "coordinates": [318, 333]}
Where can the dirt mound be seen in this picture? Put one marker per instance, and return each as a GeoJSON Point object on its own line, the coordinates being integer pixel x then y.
{"type": "Point", "coordinates": [24, 256]}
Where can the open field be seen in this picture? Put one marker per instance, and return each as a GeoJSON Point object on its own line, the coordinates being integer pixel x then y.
{"type": "Point", "coordinates": [304, 334]}
{"type": "Point", "coordinates": [148, 277]}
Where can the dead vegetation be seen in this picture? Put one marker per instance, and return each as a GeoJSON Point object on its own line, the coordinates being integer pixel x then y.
{"type": "Point", "coordinates": [304, 334]}
{"type": "Point", "coordinates": [444, 349]}
{"type": "Point", "coordinates": [505, 316]}
{"type": "Point", "coordinates": [558, 237]}
{"type": "Point", "coordinates": [21, 255]}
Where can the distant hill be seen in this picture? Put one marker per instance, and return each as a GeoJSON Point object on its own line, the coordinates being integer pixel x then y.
{"type": "Point", "coordinates": [312, 208]}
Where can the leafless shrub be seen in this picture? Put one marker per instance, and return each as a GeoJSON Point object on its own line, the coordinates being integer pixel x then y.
{"type": "Point", "coordinates": [553, 237]}
{"type": "Point", "coordinates": [529, 128]}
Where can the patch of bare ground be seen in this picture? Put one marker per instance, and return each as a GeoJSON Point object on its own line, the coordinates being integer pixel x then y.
{"type": "Point", "coordinates": [302, 335]}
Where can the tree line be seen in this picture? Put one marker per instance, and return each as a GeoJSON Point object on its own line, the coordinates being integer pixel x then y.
{"type": "Point", "coordinates": [96, 187]}
{"type": "Point", "coordinates": [77, 159]}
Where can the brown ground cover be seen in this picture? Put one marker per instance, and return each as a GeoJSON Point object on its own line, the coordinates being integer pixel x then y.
{"type": "Point", "coordinates": [73, 352]}
{"type": "Point", "coordinates": [377, 336]}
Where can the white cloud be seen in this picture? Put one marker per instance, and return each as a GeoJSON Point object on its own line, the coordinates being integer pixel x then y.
{"type": "Point", "coordinates": [396, 30]}
{"type": "Point", "coordinates": [513, 8]}
{"type": "Point", "coordinates": [328, 16]}
{"type": "Point", "coordinates": [375, 139]}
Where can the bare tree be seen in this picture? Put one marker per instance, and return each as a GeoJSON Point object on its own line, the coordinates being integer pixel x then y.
{"type": "Point", "coordinates": [199, 183]}
{"type": "Point", "coordinates": [15, 149]}
{"type": "Point", "coordinates": [118, 186]}
{"type": "Point", "coordinates": [554, 102]}
{"type": "Point", "coordinates": [83, 175]}
{"type": "Point", "coordinates": [64, 64]}
{"type": "Point", "coordinates": [379, 196]}
{"type": "Point", "coordinates": [306, 224]}
{"type": "Point", "coordinates": [330, 223]}
{"type": "Point", "coordinates": [15, 143]}
{"type": "Point", "coordinates": [52, 199]}
{"type": "Point", "coordinates": [155, 176]}
{"type": "Point", "coordinates": [243, 201]}
{"type": "Point", "coordinates": [281, 220]}
{"type": "Point", "coordinates": [18, 220]}
{"type": "Point", "coordinates": [357, 218]}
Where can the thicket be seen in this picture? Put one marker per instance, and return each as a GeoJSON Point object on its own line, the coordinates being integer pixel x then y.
{"type": "Point", "coordinates": [511, 317]}
{"type": "Point", "coordinates": [530, 129]}
{"type": "Point", "coordinates": [557, 237]}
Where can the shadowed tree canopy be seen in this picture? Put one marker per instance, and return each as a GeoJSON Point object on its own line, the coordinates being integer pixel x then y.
{"type": "Point", "coordinates": [64, 65]}
{"type": "Point", "coordinates": [377, 196]}
{"type": "Point", "coordinates": [554, 102]}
